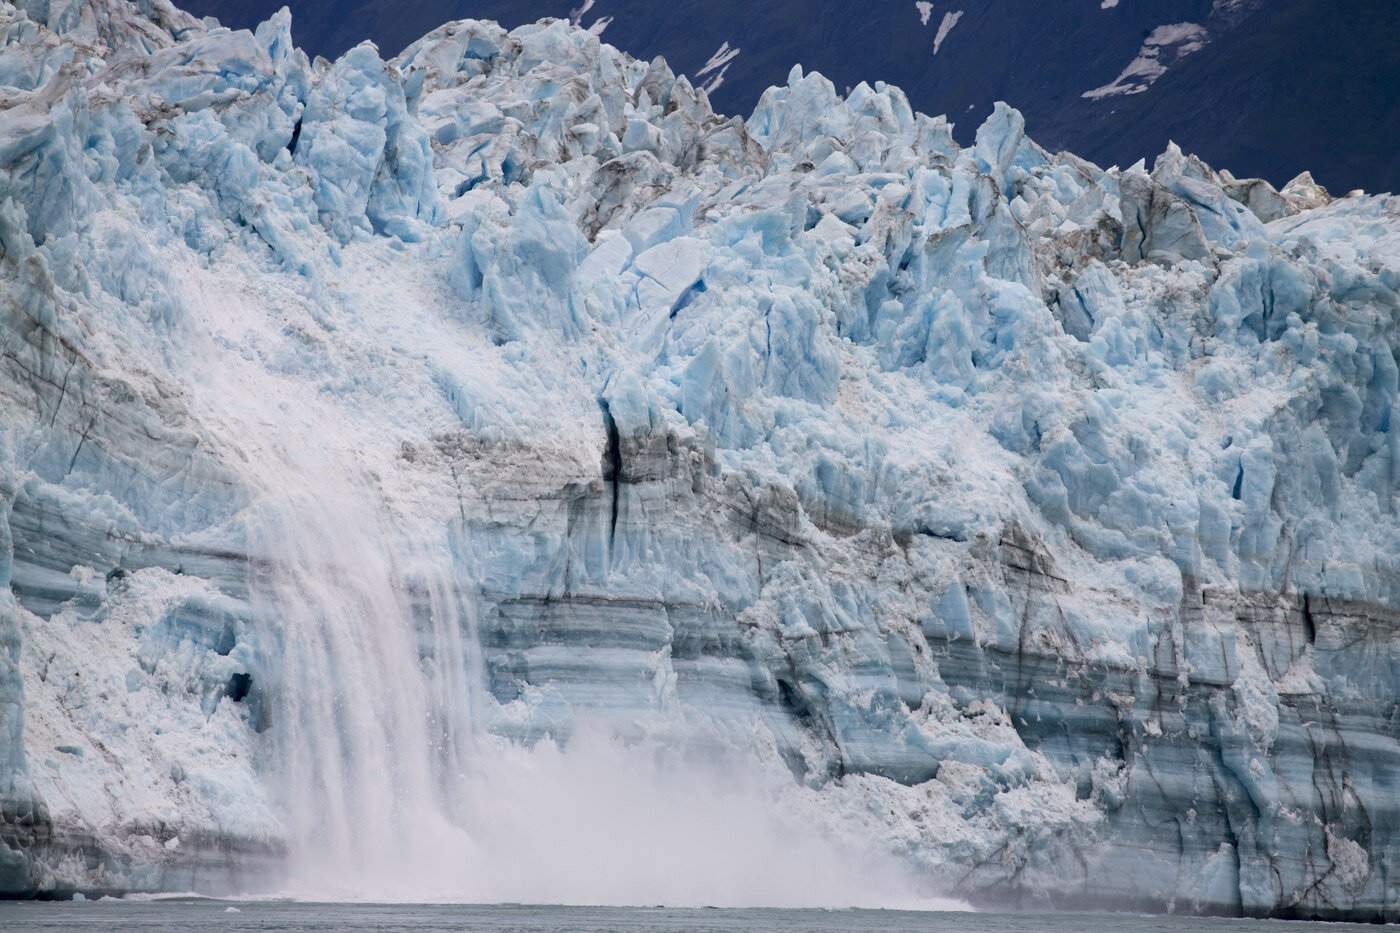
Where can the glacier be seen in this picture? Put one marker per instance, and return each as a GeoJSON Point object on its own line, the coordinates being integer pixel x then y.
{"type": "Point", "coordinates": [492, 451]}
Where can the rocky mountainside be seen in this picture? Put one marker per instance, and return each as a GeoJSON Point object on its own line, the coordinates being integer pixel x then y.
{"type": "Point", "coordinates": [375, 430]}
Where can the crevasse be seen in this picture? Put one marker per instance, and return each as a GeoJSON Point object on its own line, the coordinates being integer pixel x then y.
{"type": "Point", "coordinates": [1028, 524]}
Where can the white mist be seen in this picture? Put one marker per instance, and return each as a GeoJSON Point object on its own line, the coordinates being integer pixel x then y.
{"type": "Point", "coordinates": [377, 756]}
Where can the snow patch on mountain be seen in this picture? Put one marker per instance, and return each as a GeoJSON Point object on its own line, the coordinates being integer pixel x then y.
{"type": "Point", "coordinates": [1164, 47]}
{"type": "Point", "coordinates": [576, 15]}
{"type": "Point", "coordinates": [949, 21]}
{"type": "Point", "coordinates": [718, 63]}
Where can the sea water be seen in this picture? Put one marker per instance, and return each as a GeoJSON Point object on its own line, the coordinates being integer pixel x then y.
{"type": "Point", "coordinates": [178, 914]}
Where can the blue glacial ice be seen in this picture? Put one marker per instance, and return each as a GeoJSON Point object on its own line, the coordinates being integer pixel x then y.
{"type": "Point", "coordinates": [378, 432]}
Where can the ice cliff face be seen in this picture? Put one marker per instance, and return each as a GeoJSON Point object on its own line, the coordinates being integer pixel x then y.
{"type": "Point", "coordinates": [1036, 520]}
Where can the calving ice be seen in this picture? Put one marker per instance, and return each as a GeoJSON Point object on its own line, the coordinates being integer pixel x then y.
{"type": "Point", "coordinates": [492, 475]}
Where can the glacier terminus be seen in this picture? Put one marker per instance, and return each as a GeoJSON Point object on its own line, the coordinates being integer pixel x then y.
{"type": "Point", "coordinates": [491, 474]}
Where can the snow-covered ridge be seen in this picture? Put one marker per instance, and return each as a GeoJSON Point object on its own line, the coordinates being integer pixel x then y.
{"type": "Point", "coordinates": [1031, 521]}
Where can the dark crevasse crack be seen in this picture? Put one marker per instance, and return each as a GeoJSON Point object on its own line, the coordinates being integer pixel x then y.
{"type": "Point", "coordinates": [612, 466]}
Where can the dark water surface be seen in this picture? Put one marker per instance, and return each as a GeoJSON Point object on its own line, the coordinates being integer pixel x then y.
{"type": "Point", "coordinates": [169, 916]}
